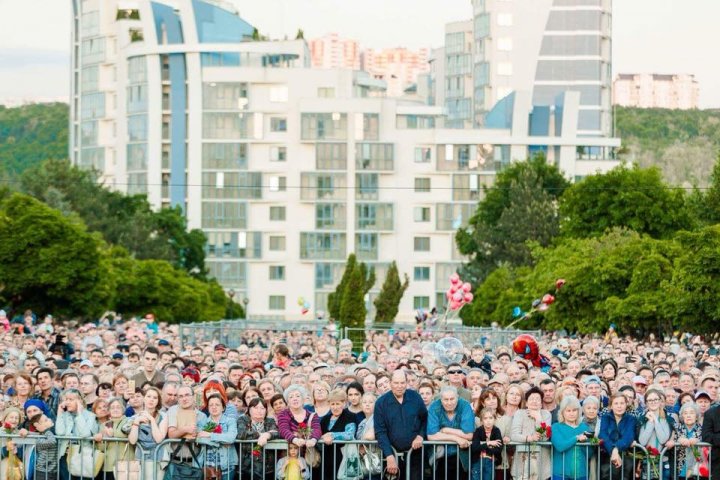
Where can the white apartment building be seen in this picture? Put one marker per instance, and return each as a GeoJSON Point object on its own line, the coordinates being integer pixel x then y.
{"type": "Point", "coordinates": [287, 168]}
{"type": "Point", "coordinates": [674, 91]}
{"type": "Point", "coordinates": [546, 47]}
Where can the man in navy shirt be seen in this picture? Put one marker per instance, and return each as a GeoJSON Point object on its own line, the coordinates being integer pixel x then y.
{"type": "Point", "coordinates": [400, 418]}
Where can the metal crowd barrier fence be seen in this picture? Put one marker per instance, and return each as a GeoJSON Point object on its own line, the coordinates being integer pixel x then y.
{"type": "Point", "coordinates": [487, 336]}
{"type": "Point", "coordinates": [230, 332]}
{"type": "Point", "coordinates": [115, 459]}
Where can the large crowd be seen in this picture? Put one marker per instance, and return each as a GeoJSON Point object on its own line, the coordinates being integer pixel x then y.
{"type": "Point", "coordinates": [609, 406]}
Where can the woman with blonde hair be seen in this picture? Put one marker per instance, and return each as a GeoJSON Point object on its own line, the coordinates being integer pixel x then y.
{"type": "Point", "coordinates": [319, 397]}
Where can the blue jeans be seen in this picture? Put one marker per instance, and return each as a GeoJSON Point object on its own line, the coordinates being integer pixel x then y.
{"type": "Point", "coordinates": [483, 469]}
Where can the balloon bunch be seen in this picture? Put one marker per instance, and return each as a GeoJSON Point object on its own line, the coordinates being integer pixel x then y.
{"type": "Point", "coordinates": [459, 294]}
{"type": "Point", "coordinates": [527, 347]}
{"type": "Point", "coordinates": [304, 305]}
{"type": "Point", "coordinates": [538, 305]}
{"type": "Point", "coordinates": [447, 350]}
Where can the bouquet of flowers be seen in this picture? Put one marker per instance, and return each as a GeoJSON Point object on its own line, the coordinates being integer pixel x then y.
{"type": "Point", "coordinates": [212, 427]}
{"type": "Point", "coordinates": [653, 458]}
{"type": "Point", "coordinates": [701, 468]}
{"type": "Point", "coordinates": [7, 427]}
{"type": "Point", "coordinates": [545, 431]}
{"type": "Point", "coordinates": [256, 451]}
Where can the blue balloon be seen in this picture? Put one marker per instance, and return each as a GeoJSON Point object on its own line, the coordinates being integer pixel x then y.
{"type": "Point", "coordinates": [306, 304]}
{"type": "Point", "coordinates": [516, 312]}
{"type": "Point", "coordinates": [536, 302]}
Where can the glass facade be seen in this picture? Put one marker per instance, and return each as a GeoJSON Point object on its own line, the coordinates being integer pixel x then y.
{"type": "Point", "coordinates": [374, 156]}
{"type": "Point", "coordinates": [331, 156]}
{"type": "Point", "coordinates": [319, 246]}
{"type": "Point", "coordinates": [224, 215]}
{"type": "Point", "coordinates": [235, 185]}
{"type": "Point", "coordinates": [224, 156]}
{"type": "Point", "coordinates": [323, 186]}
{"type": "Point", "coordinates": [374, 216]}
{"type": "Point", "coordinates": [323, 126]}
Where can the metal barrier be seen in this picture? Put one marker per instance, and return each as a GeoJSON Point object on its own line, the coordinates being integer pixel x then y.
{"type": "Point", "coordinates": [230, 332]}
{"type": "Point", "coordinates": [487, 336]}
{"type": "Point", "coordinates": [115, 458]}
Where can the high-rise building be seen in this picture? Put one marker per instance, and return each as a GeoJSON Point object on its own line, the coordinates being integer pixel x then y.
{"type": "Point", "coordinates": [546, 47]}
{"type": "Point", "coordinates": [288, 168]}
{"type": "Point", "coordinates": [458, 74]}
{"type": "Point", "coordinates": [331, 51]}
{"type": "Point", "coordinates": [676, 91]}
{"type": "Point", "coordinates": [398, 67]}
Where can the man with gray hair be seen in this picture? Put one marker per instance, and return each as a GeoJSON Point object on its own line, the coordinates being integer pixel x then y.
{"type": "Point", "coordinates": [451, 419]}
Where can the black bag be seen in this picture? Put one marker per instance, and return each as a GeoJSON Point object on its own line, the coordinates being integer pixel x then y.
{"type": "Point", "coordinates": [177, 470]}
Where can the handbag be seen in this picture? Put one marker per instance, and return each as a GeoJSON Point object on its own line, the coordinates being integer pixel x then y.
{"type": "Point", "coordinates": [371, 462]}
{"type": "Point", "coordinates": [350, 467]}
{"type": "Point", "coordinates": [11, 468]}
{"type": "Point", "coordinates": [85, 462]}
{"type": "Point", "coordinates": [177, 470]}
{"type": "Point", "coordinates": [127, 469]}
{"type": "Point", "coordinates": [213, 473]}
{"type": "Point", "coordinates": [312, 455]}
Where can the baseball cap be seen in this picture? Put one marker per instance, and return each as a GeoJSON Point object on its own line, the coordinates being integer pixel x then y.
{"type": "Point", "coordinates": [86, 363]}
{"type": "Point", "coordinates": [75, 360]}
{"type": "Point", "coordinates": [639, 380]}
{"type": "Point", "coordinates": [165, 343]}
{"type": "Point", "coordinates": [494, 380]}
{"type": "Point", "coordinates": [592, 379]}
{"type": "Point", "coordinates": [117, 356]}
{"type": "Point", "coordinates": [220, 346]}
{"type": "Point", "coordinates": [702, 393]}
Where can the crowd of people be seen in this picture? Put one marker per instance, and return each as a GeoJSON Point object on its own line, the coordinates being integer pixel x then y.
{"type": "Point", "coordinates": [608, 407]}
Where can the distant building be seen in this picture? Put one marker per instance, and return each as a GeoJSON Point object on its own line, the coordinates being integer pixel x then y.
{"type": "Point", "coordinates": [399, 67]}
{"type": "Point", "coordinates": [547, 48]}
{"type": "Point", "coordinates": [331, 51]}
{"type": "Point", "coordinates": [287, 168]}
{"type": "Point", "coordinates": [646, 90]}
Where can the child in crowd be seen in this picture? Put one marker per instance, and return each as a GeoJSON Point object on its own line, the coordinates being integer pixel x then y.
{"type": "Point", "coordinates": [292, 467]}
{"type": "Point", "coordinates": [487, 445]}
{"type": "Point", "coordinates": [46, 458]}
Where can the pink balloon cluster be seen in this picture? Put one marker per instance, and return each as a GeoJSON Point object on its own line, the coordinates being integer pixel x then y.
{"type": "Point", "coordinates": [459, 293]}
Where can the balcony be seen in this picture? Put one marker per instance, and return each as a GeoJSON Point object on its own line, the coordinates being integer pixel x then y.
{"type": "Point", "coordinates": [375, 156]}
{"type": "Point", "coordinates": [374, 216]}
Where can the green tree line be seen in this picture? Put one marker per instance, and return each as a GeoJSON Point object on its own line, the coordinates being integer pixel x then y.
{"type": "Point", "coordinates": [633, 250]}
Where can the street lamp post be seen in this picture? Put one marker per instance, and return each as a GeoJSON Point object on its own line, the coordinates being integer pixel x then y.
{"type": "Point", "coordinates": [245, 302]}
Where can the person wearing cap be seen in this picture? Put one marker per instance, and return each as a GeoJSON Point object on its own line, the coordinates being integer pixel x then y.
{"type": "Point", "coordinates": [164, 345]}
{"type": "Point", "coordinates": [703, 400]}
{"type": "Point", "coordinates": [640, 384]}
{"type": "Point", "coordinates": [219, 352]}
{"type": "Point", "coordinates": [593, 388]}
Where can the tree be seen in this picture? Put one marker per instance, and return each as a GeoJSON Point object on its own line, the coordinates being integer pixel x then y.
{"type": "Point", "coordinates": [49, 262]}
{"type": "Point", "coordinates": [335, 298]}
{"type": "Point", "coordinates": [300, 35]}
{"type": "Point", "coordinates": [352, 308]}
{"type": "Point", "coordinates": [256, 35]}
{"type": "Point", "coordinates": [123, 220]}
{"type": "Point", "coordinates": [31, 134]}
{"type": "Point", "coordinates": [633, 198]}
{"type": "Point", "coordinates": [387, 302]}
{"type": "Point", "coordinates": [519, 208]}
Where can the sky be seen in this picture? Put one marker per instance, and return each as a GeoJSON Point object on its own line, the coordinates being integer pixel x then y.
{"type": "Point", "coordinates": [649, 36]}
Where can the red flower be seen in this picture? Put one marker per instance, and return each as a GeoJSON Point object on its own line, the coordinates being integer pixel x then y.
{"type": "Point", "coordinates": [548, 432]}
{"type": "Point", "coordinates": [703, 470]}
{"type": "Point", "coordinates": [302, 425]}
{"type": "Point", "coordinates": [256, 453]}
{"type": "Point", "coordinates": [544, 426]}
{"type": "Point", "coordinates": [218, 429]}
{"type": "Point", "coordinates": [7, 426]}
{"type": "Point", "coordinates": [653, 451]}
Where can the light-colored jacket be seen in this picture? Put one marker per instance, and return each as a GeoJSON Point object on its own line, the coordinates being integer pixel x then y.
{"type": "Point", "coordinates": [81, 424]}
{"type": "Point", "coordinates": [222, 441]}
{"type": "Point", "coordinates": [523, 426]}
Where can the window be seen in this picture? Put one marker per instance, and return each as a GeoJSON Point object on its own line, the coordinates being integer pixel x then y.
{"type": "Point", "coordinates": [278, 184]}
{"type": "Point", "coordinates": [224, 215]}
{"type": "Point", "coordinates": [422, 184]}
{"type": "Point", "coordinates": [279, 93]}
{"type": "Point", "coordinates": [277, 272]}
{"type": "Point", "coordinates": [423, 154]}
{"type": "Point", "coordinates": [505, 68]}
{"type": "Point", "coordinates": [506, 20]}
{"type": "Point", "coordinates": [223, 156]}
{"type": "Point", "coordinates": [278, 154]}
{"type": "Point", "coordinates": [421, 274]}
{"type": "Point", "coordinates": [277, 214]}
{"type": "Point", "coordinates": [421, 302]}
{"type": "Point", "coordinates": [421, 214]}
{"type": "Point", "coordinates": [331, 156]}
{"type": "Point", "coordinates": [323, 275]}
{"type": "Point", "coordinates": [278, 124]}
{"type": "Point", "coordinates": [505, 44]}
{"type": "Point", "coordinates": [371, 126]}
{"type": "Point", "coordinates": [366, 185]}
{"type": "Point", "coordinates": [421, 244]}
{"type": "Point", "coordinates": [277, 243]}
{"type": "Point", "coordinates": [320, 245]}
{"type": "Point", "coordinates": [330, 216]}
{"type": "Point", "coordinates": [366, 246]}
{"type": "Point", "coordinates": [374, 156]}
{"type": "Point", "coordinates": [323, 126]}
{"type": "Point", "coordinates": [277, 302]}
{"type": "Point", "coordinates": [326, 92]}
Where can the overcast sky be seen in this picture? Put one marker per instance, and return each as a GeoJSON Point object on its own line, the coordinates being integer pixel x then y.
{"type": "Point", "coordinates": [649, 36]}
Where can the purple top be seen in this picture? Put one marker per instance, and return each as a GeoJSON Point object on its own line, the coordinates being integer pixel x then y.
{"type": "Point", "coordinates": [288, 426]}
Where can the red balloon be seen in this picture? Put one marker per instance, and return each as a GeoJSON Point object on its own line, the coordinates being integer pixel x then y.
{"type": "Point", "coordinates": [454, 278]}
{"type": "Point", "coordinates": [454, 305]}
{"type": "Point", "coordinates": [559, 283]}
{"type": "Point", "coordinates": [458, 296]}
{"type": "Point", "coordinates": [304, 311]}
{"type": "Point", "coordinates": [548, 299]}
{"type": "Point", "coordinates": [468, 297]}
{"type": "Point", "coordinates": [466, 287]}
{"type": "Point", "coordinates": [449, 294]}
{"type": "Point", "coordinates": [526, 346]}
